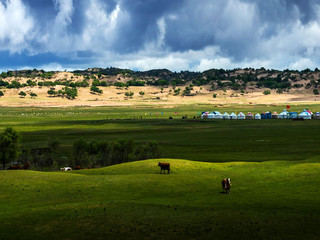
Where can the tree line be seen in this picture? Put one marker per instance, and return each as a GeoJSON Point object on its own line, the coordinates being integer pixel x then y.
{"type": "Point", "coordinates": [84, 153]}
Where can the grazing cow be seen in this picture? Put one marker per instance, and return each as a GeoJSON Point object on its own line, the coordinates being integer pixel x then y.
{"type": "Point", "coordinates": [226, 185]}
{"type": "Point", "coordinates": [26, 166]}
{"type": "Point", "coordinates": [164, 167]}
{"type": "Point", "coordinates": [65, 169]}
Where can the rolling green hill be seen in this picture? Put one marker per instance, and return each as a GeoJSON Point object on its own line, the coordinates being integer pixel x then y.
{"type": "Point", "coordinates": [269, 200]}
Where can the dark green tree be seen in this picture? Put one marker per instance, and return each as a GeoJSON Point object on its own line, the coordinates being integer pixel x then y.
{"type": "Point", "coordinates": [10, 143]}
{"type": "Point", "coordinates": [33, 95]}
{"type": "Point", "coordinates": [22, 94]}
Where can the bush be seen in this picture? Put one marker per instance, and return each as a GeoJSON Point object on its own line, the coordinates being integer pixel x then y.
{"type": "Point", "coordinates": [51, 92]}
{"type": "Point", "coordinates": [1, 94]}
{"type": "Point", "coordinates": [129, 94]}
{"type": "Point", "coordinates": [141, 93]}
{"type": "Point", "coordinates": [33, 95]}
{"type": "Point", "coordinates": [71, 93]}
{"type": "Point", "coordinates": [266, 92]}
{"type": "Point", "coordinates": [22, 94]}
{"type": "Point", "coordinates": [95, 89]}
{"type": "Point", "coordinates": [214, 95]}
{"type": "Point", "coordinates": [315, 91]}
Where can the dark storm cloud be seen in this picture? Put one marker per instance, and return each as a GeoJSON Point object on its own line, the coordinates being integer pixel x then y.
{"type": "Point", "coordinates": [142, 26]}
{"type": "Point", "coordinates": [236, 31]}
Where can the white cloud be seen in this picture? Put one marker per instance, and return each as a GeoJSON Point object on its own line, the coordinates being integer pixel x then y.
{"type": "Point", "coordinates": [17, 27]}
{"type": "Point", "coordinates": [303, 64]}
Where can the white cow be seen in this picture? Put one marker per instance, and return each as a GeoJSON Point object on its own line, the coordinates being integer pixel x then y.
{"type": "Point", "coordinates": [65, 169]}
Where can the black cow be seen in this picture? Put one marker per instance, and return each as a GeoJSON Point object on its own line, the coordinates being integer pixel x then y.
{"type": "Point", "coordinates": [164, 167]}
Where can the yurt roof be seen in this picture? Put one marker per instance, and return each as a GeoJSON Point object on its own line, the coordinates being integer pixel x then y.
{"type": "Point", "coordinates": [257, 114]}
{"type": "Point", "coordinates": [226, 114]}
{"type": "Point", "coordinates": [305, 113]}
{"type": "Point", "coordinates": [249, 114]}
{"type": "Point", "coordinates": [275, 113]}
{"type": "Point", "coordinates": [233, 114]}
{"type": "Point", "coordinates": [317, 114]}
{"type": "Point", "coordinates": [284, 113]}
{"type": "Point", "coordinates": [241, 114]}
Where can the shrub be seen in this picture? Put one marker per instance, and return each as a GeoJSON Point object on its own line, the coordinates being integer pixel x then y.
{"type": "Point", "coordinates": [95, 89]}
{"type": "Point", "coordinates": [22, 94]}
{"type": "Point", "coordinates": [177, 91]}
{"type": "Point", "coordinates": [141, 93]}
{"type": "Point", "coordinates": [33, 95]}
{"type": "Point", "coordinates": [214, 95]}
{"type": "Point", "coordinates": [51, 92]}
{"type": "Point", "coordinates": [266, 92]}
{"type": "Point", "coordinates": [1, 94]}
{"type": "Point", "coordinates": [129, 94]}
{"type": "Point", "coordinates": [315, 91]}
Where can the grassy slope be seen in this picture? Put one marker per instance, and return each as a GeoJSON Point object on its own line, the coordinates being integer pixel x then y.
{"type": "Point", "coordinates": [269, 200]}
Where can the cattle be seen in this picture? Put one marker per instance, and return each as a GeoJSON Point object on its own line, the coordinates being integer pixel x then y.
{"type": "Point", "coordinates": [226, 185]}
{"type": "Point", "coordinates": [164, 166]}
{"type": "Point", "coordinates": [65, 169]}
{"type": "Point", "coordinates": [26, 166]}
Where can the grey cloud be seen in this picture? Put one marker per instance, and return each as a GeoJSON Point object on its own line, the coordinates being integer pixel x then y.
{"type": "Point", "coordinates": [240, 31]}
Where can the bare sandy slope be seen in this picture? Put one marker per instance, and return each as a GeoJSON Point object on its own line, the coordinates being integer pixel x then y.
{"type": "Point", "coordinates": [113, 96]}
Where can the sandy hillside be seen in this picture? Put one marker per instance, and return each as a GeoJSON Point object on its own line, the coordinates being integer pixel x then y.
{"type": "Point", "coordinates": [113, 96]}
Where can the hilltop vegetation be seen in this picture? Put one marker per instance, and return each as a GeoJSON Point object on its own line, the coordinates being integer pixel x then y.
{"type": "Point", "coordinates": [236, 79]}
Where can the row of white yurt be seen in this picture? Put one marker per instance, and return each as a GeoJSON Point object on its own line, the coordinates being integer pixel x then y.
{"type": "Point", "coordinates": [241, 116]}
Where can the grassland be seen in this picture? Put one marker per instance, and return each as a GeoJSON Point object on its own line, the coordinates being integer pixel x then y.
{"type": "Point", "coordinates": [274, 166]}
{"type": "Point", "coordinates": [211, 141]}
{"type": "Point", "coordinates": [269, 200]}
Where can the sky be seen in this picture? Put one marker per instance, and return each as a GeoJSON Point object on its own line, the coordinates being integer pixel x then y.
{"type": "Point", "coordinates": [193, 35]}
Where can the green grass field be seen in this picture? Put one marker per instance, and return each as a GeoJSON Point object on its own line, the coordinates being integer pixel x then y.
{"type": "Point", "coordinates": [274, 166]}
{"type": "Point", "coordinates": [211, 141]}
{"type": "Point", "coordinates": [269, 200]}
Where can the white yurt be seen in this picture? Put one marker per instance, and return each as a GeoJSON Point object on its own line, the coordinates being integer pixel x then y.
{"type": "Point", "coordinates": [257, 116]}
{"type": "Point", "coordinates": [317, 115]}
{"type": "Point", "coordinates": [274, 115]}
{"type": "Point", "coordinates": [241, 116]}
{"type": "Point", "coordinates": [217, 115]}
{"type": "Point", "coordinates": [225, 116]}
{"type": "Point", "coordinates": [210, 116]}
{"type": "Point", "coordinates": [233, 116]}
{"type": "Point", "coordinates": [250, 116]}
{"type": "Point", "coordinates": [283, 115]}
{"type": "Point", "coordinates": [305, 115]}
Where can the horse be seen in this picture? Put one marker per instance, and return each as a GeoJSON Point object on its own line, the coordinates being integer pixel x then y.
{"type": "Point", "coordinates": [164, 167]}
{"type": "Point", "coordinates": [226, 185]}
